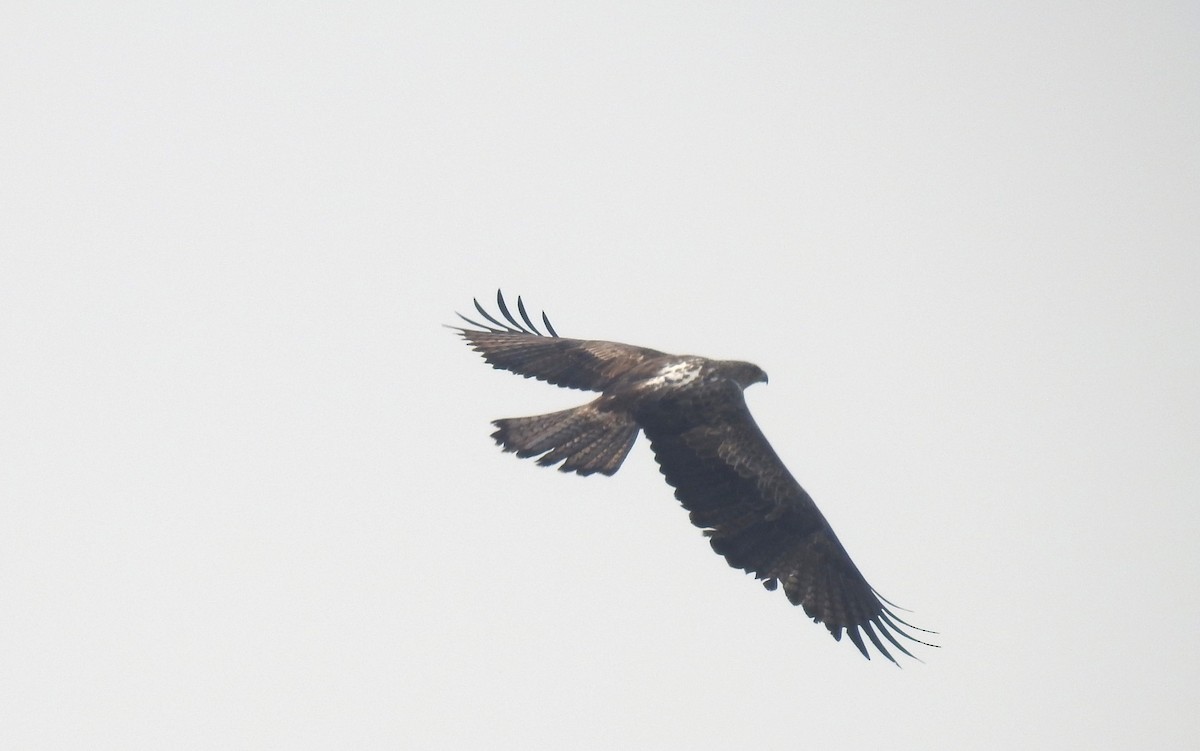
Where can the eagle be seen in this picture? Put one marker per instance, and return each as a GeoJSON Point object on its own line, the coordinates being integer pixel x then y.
{"type": "Point", "coordinates": [708, 447]}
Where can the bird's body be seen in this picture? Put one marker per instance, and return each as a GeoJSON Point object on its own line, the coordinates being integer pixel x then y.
{"type": "Point", "coordinates": [708, 447]}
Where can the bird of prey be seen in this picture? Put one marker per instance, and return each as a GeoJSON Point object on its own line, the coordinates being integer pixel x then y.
{"type": "Point", "coordinates": [708, 447]}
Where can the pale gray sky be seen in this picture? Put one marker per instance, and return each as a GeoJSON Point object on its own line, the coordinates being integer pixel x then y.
{"type": "Point", "coordinates": [248, 494]}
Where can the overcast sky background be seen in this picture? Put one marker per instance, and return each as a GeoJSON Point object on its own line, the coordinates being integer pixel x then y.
{"type": "Point", "coordinates": [247, 493]}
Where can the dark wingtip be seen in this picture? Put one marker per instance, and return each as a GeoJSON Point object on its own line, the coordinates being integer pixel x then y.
{"type": "Point", "coordinates": [888, 616]}
{"type": "Point", "coordinates": [856, 638]}
{"type": "Point", "coordinates": [510, 324]}
{"type": "Point", "coordinates": [504, 311]}
{"type": "Point", "coordinates": [889, 626]}
{"type": "Point", "coordinates": [525, 316]}
{"type": "Point", "coordinates": [881, 632]}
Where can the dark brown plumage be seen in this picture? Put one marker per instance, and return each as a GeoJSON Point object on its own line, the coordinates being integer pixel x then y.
{"type": "Point", "coordinates": [708, 447]}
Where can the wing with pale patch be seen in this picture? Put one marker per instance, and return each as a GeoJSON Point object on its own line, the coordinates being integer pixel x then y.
{"type": "Point", "coordinates": [517, 345]}
{"type": "Point", "coordinates": [758, 517]}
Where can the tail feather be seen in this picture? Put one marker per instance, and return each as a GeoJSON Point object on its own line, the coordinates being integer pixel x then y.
{"type": "Point", "coordinates": [585, 439]}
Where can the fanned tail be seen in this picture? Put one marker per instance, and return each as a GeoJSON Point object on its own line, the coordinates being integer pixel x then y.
{"type": "Point", "coordinates": [585, 439]}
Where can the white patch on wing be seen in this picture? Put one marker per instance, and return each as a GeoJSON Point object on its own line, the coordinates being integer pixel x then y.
{"type": "Point", "coordinates": [674, 374]}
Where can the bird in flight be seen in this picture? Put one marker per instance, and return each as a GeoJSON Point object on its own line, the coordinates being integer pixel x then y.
{"type": "Point", "coordinates": [707, 445]}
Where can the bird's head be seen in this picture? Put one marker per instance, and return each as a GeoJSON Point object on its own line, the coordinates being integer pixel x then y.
{"type": "Point", "coordinates": [745, 373]}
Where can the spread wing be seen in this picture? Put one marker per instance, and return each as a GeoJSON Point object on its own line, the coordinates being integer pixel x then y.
{"type": "Point", "coordinates": [729, 478]}
{"type": "Point", "coordinates": [519, 346]}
